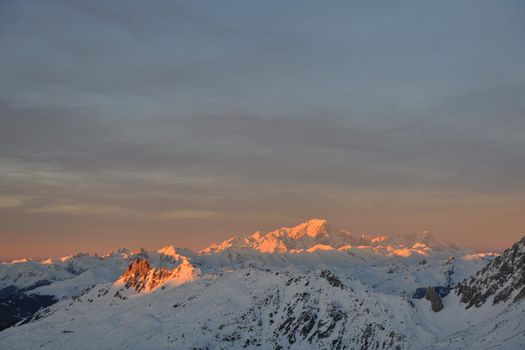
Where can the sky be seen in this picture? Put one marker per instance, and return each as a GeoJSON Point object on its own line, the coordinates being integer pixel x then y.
{"type": "Point", "coordinates": [146, 123]}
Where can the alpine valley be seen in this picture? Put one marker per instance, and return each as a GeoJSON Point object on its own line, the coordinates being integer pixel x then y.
{"type": "Point", "coordinates": [311, 286]}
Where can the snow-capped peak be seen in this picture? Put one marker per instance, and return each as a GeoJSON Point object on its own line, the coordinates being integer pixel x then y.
{"type": "Point", "coordinates": [315, 234]}
{"type": "Point", "coordinates": [310, 228]}
{"type": "Point", "coordinates": [185, 272]}
{"type": "Point", "coordinates": [176, 253]}
{"type": "Point", "coordinates": [285, 239]}
{"type": "Point", "coordinates": [169, 250]}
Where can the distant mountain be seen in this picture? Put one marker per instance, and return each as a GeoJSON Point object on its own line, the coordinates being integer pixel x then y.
{"type": "Point", "coordinates": [317, 234]}
{"type": "Point", "coordinates": [310, 286]}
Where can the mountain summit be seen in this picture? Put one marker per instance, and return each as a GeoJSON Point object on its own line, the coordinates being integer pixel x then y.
{"type": "Point", "coordinates": [318, 234]}
{"type": "Point", "coordinates": [310, 228]}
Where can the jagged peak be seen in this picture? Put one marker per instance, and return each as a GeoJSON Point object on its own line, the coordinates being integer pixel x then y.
{"type": "Point", "coordinates": [141, 276]}
{"type": "Point", "coordinates": [501, 280]}
{"type": "Point", "coordinates": [139, 267]}
{"type": "Point", "coordinates": [257, 235]}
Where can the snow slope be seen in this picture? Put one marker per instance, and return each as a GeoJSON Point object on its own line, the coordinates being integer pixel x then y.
{"type": "Point", "coordinates": [253, 307]}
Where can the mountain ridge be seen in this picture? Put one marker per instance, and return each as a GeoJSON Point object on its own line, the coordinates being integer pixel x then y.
{"type": "Point", "coordinates": [327, 288]}
{"type": "Point", "coordinates": [319, 234]}
{"type": "Point", "coordinates": [307, 236]}
{"type": "Point", "coordinates": [501, 280]}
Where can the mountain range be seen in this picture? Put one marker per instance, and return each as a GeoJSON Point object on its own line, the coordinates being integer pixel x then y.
{"type": "Point", "coordinates": [311, 286]}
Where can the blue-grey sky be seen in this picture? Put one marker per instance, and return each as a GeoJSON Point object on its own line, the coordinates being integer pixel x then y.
{"type": "Point", "coordinates": [143, 123]}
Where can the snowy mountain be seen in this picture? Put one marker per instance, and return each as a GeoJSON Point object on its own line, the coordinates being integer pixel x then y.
{"type": "Point", "coordinates": [311, 286]}
{"type": "Point", "coordinates": [317, 234]}
{"type": "Point", "coordinates": [502, 280]}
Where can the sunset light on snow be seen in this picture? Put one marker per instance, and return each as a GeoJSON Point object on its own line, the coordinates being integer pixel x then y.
{"type": "Point", "coordinates": [262, 174]}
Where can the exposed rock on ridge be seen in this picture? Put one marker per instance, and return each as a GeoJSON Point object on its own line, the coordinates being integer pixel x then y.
{"type": "Point", "coordinates": [142, 277]}
{"type": "Point", "coordinates": [503, 279]}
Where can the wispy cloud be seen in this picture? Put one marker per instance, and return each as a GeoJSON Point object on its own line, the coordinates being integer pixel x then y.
{"type": "Point", "coordinates": [81, 209]}
{"type": "Point", "coordinates": [12, 201]}
{"type": "Point", "coordinates": [116, 211]}
{"type": "Point", "coordinates": [185, 214]}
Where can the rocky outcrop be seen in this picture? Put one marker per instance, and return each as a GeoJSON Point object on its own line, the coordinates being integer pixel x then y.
{"type": "Point", "coordinates": [142, 277]}
{"type": "Point", "coordinates": [503, 279]}
{"type": "Point", "coordinates": [440, 290]}
{"type": "Point", "coordinates": [434, 298]}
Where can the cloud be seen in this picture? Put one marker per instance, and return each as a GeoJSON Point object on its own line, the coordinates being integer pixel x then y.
{"type": "Point", "coordinates": [214, 92]}
{"type": "Point", "coordinates": [223, 111]}
{"type": "Point", "coordinates": [81, 209]}
{"type": "Point", "coordinates": [85, 209]}
{"type": "Point", "coordinates": [185, 214]}
{"type": "Point", "coordinates": [12, 201]}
